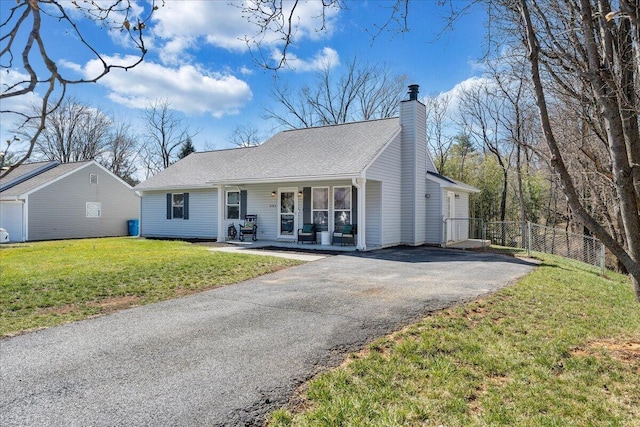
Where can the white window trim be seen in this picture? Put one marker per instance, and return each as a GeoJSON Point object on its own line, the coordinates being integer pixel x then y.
{"type": "Point", "coordinates": [327, 210]}
{"type": "Point", "coordinates": [332, 218]}
{"type": "Point", "coordinates": [173, 206]}
{"type": "Point", "coordinates": [92, 207]}
{"type": "Point", "coordinates": [295, 212]}
{"type": "Point", "coordinates": [227, 205]}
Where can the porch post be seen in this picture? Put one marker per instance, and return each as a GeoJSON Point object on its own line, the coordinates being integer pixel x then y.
{"type": "Point", "coordinates": [361, 185]}
{"type": "Point", "coordinates": [221, 204]}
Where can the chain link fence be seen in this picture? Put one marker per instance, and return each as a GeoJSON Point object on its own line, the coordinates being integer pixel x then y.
{"type": "Point", "coordinates": [540, 238]}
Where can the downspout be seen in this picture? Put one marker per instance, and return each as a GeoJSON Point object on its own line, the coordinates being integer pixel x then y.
{"type": "Point", "coordinates": [361, 183]}
{"type": "Point", "coordinates": [139, 194]}
{"type": "Point", "coordinates": [25, 219]}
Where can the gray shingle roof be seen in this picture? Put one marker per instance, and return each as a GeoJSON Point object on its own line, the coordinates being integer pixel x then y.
{"type": "Point", "coordinates": [37, 180]}
{"type": "Point", "coordinates": [317, 153]}
{"type": "Point", "coordinates": [448, 182]}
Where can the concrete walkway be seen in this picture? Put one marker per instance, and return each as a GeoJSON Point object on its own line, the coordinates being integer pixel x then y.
{"type": "Point", "coordinates": [301, 256]}
{"type": "Point", "coordinates": [231, 355]}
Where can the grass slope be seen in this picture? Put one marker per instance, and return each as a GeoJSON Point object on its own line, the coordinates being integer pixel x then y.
{"type": "Point", "coordinates": [559, 348]}
{"type": "Point", "coordinates": [49, 283]}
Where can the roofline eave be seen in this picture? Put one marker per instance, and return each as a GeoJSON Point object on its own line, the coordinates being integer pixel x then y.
{"type": "Point", "coordinates": [463, 189]}
{"type": "Point", "coordinates": [175, 187]}
{"type": "Point", "coordinates": [286, 179]}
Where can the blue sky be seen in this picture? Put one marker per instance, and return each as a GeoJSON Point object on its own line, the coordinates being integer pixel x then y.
{"type": "Point", "coordinates": [197, 63]}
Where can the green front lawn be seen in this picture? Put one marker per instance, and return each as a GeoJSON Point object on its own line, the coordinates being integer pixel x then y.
{"type": "Point", "coordinates": [559, 348]}
{"type": "Point", "coordinates": [49, 283]}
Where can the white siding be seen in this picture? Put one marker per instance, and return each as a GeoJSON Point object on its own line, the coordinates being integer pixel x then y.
{"type": "Point", "coordinates": [373, 237]}
{"type": "Point", "coordinates": [260, 202]}
{"type": "Point", "coordinates": [387, 170]}
{"type": "Point", "coordinates": [202, 222]}
{"type": "Point", "coordinates": [11, 219]}
{"type": "Point", "coordinates": [433, 213]}
{"type": "Point", "coordinates": [58, 210]}
{"type": "Point", "coordinates": [203, 211]}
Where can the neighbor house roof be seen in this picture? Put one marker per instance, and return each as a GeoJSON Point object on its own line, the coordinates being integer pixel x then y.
{"type": "Point", "coordinates": [312, 153]}
{"type": "Point", "coordinates": [30, 176]}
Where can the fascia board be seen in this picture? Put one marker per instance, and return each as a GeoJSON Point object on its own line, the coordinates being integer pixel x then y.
{"type": "Point", "coordinates": [284, 179]}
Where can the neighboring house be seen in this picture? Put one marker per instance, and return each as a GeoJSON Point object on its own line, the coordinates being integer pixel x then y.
{"type": "Point", "coordinates": [376, 174]}
{"type": "Point", "coordinates": [53, 200]}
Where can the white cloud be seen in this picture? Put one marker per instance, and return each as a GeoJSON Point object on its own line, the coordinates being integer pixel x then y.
{"type": "Point", "coordinates": [18, 104]}
{"type": "Point", "coordinates": [186, 24]}
{"type": "Point", "coordinates": [456, 92]}
{"type": "Point", "coordinates": [325, 58]}
{"type": "Point", "coordinates": [70, 65]}
{"type": "Point", "coordinates": [189, 89]}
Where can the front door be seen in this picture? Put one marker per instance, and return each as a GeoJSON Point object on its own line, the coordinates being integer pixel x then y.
{"type": "Point", "coordinates": [287, 213]}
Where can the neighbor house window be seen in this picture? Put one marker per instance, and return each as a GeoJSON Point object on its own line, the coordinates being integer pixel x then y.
{"type": "Point", "coordinates": [341, 206]}
{"type": "Point", "coordinates": [177, 205]}
{"type": "Point", "coordinates": [233, 205]}
{"type": "Point", "coordinates": [94, 209]}
{"type": "Point", "coordinates": [320, 207]}
{"type": "Point", "coordinates": [93, 178]}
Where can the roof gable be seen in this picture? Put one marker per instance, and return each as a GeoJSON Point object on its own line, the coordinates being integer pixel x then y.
{"type": "Point", "coordinates": [318, 153]}
{"type": "Point", "coordinates": [35, 181]}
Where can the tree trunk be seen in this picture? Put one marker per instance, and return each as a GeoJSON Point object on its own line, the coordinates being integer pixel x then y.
{"type": "Point", "coordinates": [628, 259]}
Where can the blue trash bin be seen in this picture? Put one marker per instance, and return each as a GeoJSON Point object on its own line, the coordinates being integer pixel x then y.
{"type": "Point", "coordinates": [133, 227]}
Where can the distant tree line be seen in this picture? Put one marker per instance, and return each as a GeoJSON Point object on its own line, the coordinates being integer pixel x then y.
{"type": "Point", "coordinates": [75, 131]}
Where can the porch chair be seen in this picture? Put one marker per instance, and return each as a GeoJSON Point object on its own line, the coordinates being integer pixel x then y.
{"type": "Point", "coordinates": [250, 226]}
{"type": "Point", "coordinates": [345, 236]}
{"type": "Point", "coordinates": [307, 233]}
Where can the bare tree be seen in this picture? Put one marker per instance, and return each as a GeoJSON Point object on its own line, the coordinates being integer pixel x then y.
{"type": "Point", "coordinates": [245, 136]}
{"type": "Point", "coordinates": [277, 19]}
{"type": "Point", "coordinates": [73, 132]}
{"type": "Point", "coordinates": [438, 137]}
{"type": "Point", "coordinates": [517, 119]}
{"type": "Point", "coordinates": [165, 132]}
{"type": "Point", "coordinates": [120, 155]}
{"type": "Point", "coordinates": [587, 39]}
{"type": "Point", "coordinates": [361, 92]}
{"type": "Point", "coordinates": [8, 157]}
{"type": "Point", "coordinates": [25, 58]}
{"type": "Point", "coordinates": [481, 112]}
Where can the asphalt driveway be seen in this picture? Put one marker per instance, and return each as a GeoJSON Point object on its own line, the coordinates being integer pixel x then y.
{"type": "Point", "coordinates": [231, 355]}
